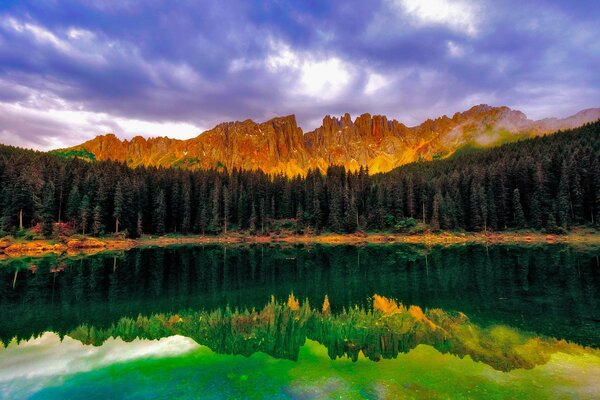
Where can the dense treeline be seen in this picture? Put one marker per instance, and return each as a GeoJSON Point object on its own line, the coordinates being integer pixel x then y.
{"type": "Point", "coordinates": [551, 183]}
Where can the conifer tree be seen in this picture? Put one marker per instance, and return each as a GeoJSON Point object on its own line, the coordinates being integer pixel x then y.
{"type": "Point", "coordinates": [160, 213]}
{"type": "Point", "coordinates": [335, 209]}
{"type": "Point", "coordinates": [84, 213]}
{"type": "Point", "coordinates": [226, 204]}
{"type": "Point", "coordinates": [253, 218]}
{"type": "Point", "coordinates": [119, 204]}
{"type": "Point", "coordinates": [435, 212]}
{"type": "Point", "coordinates": [563, 201]}
{"type": "Point", "coordinates": [186, 219]}
{"type": "Point", "coordinates": [351, 215]}
{"type": "Point", "coordinates": [299, 219]}
{"type": "Point", "coordinates": [97, 226]}
{"type": "Point", "coordinates": [215, 224]}
{"type": "Point", "coordinates": [47, 212]}
{"type": "Point", "coordinates": [203, 220]}
{"type": "Point", "coordinates": [518, 215]}
{"type": "Point", "coordinates": [73, 204]}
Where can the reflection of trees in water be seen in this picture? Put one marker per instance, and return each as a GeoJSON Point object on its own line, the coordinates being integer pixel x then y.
{"type": "Point", "coordinates": [554, 290]}
{"type": "Point", "coordinates": [383, 330]}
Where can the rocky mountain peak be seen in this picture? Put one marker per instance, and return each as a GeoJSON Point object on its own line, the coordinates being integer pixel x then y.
{"type": "Point", "coordinates": [280, 146]}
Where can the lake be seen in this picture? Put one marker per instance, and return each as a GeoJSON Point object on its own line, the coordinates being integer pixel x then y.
{"type": "Point", "coordinates": [266, 321]}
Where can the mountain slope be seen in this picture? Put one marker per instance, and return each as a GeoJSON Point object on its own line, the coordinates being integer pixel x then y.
{"type": "Point", "coordinates": [279, 145]}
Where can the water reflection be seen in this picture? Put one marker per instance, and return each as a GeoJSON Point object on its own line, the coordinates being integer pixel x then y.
{"type": "Point", "coordinates": [552, 291]}
{"type": "Point", "coordinates": [384, 330]}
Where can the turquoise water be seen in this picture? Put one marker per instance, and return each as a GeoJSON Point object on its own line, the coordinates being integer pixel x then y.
{"type": "Point", "coordinates": [252, 322]}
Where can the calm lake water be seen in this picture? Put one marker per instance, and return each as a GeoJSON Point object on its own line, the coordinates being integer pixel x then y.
{"type": "Point", "coordinates": [379, 321]}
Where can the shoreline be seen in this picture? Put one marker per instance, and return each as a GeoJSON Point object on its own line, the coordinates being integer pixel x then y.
{"type": "Point", "coordinates": [11, 248]}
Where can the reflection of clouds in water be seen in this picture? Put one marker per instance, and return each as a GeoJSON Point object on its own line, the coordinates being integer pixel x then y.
{"type": "Point", "coordinates": [30, 365]}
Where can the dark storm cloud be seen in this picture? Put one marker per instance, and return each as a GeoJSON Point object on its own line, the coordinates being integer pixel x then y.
{"type": "Point", "coordinates": [205, 62]}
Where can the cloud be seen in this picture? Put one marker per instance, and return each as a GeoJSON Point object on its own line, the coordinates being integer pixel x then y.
{"type": "Point", "coordinates": [31, 365]}
{"type": "Point", "coordinates": [71, 71]}
{"type": "Point", "coordinates": [458, 15]}
{"type": "Point", "coordinates": [455, 49]}
{"type": "Point", "coordinates": [53, 127]}
{"type": "Point", "coordinates": [316, 77]}
{"type": "Point", "coordinates": [375, 82]}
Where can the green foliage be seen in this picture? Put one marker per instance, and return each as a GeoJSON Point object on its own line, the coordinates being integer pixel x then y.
{"type": "Point", "coordinates": [405, 224]}
{"type": "Point", "coordinates": [78, 153]}
{"type": "Point", "coordinates": [466, 150]}
{"type": "Point", "coordinates": [186, 162]}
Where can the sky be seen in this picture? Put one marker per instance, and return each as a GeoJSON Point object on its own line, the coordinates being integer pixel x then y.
{"type": "Point", "coordinates": [70, 70]}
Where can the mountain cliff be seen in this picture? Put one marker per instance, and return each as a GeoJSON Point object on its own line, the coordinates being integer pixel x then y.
{"type": "Point", "coordinates": [280, 146]}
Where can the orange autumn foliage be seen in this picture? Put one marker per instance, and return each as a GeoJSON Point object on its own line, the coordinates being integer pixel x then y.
{"type": "Point", "coordinates": [293, 303]}
{"type": "Point", "coordinates": [419, 315]}
{"type": "Point", "coordinates": [385, 305]}
{"type": "Point", "coordinates": [416, 312]}
{"type": "Point", "coordinates": [326, 307]}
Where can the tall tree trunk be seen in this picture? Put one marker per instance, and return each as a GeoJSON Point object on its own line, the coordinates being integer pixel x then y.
{"type": "Point", "coordinates": [21, 219]}
{"type": "Point", "coordinates": [117, 225]}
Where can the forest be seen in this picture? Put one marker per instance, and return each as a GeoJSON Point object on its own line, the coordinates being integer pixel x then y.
{"type": "Point", "coordinates": [549, 183]}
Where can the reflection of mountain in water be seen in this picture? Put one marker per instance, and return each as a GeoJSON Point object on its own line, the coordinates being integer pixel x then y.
{"type": "Point", "coordinates": [381, 331]}
{"type": "Point", "coordinates": [549, 290]}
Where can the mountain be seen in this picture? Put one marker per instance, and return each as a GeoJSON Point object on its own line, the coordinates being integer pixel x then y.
{"type": "Point", "coordinates": [280, 146]}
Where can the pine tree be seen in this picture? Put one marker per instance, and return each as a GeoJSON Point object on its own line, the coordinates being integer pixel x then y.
{"type": "Point", "coordinates": [203, 220]}
{"type": "Point", "coordinates": [47, 213]}
{"type": "Point", "coordinates": [140, 224]}
{"type": "Point", "coordinates": [435, 212]}
{"type": "Point", "coordinates": [242, 207]}
{"type": "Point", "coordinates": [73, 204]}
{"type": "Point", "coordinates": [253, 218]}
{"type": "Point", "coordinates": [536, 210]}
{"type": "Point", "coordinates": [84, 213]}
{"type": "Point", "coordinates": [175, 207]}
{"type": "Point", "coordinates": [215, 223]}
{"type": "Point", "coordinates": [299, 219]}
{"type": "Point", "coordinates": [536, 204]}
{"type": "Point", "coordinates": [186, 219]}
{"type": "Point", "coordinates": [518, 215]}
{"type": "Point", "coordinates": [226, 204]}
{"type": "Point", "coordinates": [351, 215]}
{"type": "Point", "coordinates": [335, 209]}
{"type": "Point", "coordinates": [160, 213]}
{"type": "Point", "coordinates": [316, 213]}
{"type": "Point", "coordinates": [491, 211]}
{"type": "Point", "coordinates": [551, 225]}
{"type": "Point", "coordinates": [477, 202]}
{"type": "Point", "coordinates": [410, 197]}
{"type": "Point", "coordinates": [119, 203]}
{"type": "Point", "coordinates": [563, 201]}
{"type": "Point", "coordinates": [97, 226]}
{"type": "Point", "coordinates": [263, 215]}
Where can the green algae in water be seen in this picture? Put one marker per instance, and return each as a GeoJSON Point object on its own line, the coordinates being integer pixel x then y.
{"type": "Point", "coordinates": [423, 373]}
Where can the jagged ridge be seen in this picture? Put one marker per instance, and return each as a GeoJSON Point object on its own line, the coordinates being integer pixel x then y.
{"type": "Point", "coordinates": [280, 146]}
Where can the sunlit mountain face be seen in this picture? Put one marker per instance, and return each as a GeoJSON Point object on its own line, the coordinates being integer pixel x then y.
{"type": "Point", "coordinates": [280, 146]}
{"type": "Point", "coordinates": [319, 318]}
